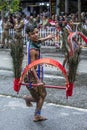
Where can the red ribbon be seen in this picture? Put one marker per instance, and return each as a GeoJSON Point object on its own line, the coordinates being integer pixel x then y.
{"type": "Point", "coordinates": [16, 85]}
{"type": "Point", "coordinates": [83, 37]}
{"type": "Point", "coordinates": [71, 35]}
{"type": "Point", "coordinates": [69, 90]}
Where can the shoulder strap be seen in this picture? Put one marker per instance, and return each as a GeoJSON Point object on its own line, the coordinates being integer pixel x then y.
{"type": "Point", "coordinates": [28, 51]}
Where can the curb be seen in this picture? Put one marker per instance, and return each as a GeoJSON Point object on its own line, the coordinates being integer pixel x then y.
{"type": "Point", "coordinates": [46, 49]}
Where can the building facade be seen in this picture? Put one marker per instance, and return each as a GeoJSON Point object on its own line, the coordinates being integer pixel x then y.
{"type": "Point", "coordinates": [55, 6]}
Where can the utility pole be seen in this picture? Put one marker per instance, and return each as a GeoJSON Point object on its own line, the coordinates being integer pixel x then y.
{"type": "Point", "coordinates": [66, 6]}
{"type": "Point", "coordinates": [57, 7]}
{"type": "Point", "coordinates": [79, 10]}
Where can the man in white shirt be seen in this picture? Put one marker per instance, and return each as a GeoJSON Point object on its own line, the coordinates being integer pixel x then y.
{"type": "Point", "coordinates": [0, 28]}
{"type": "Point", "coordinates": [85, 25]}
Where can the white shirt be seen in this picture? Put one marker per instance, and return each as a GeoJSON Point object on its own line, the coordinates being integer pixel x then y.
{"type": "Point", "coordinates": [0, 25]}
{"type": "Point", "coordinates": [85, 26]}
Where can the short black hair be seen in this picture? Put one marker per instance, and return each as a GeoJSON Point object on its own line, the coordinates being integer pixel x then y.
{"type": "Point", "coordinates": [30, 28]}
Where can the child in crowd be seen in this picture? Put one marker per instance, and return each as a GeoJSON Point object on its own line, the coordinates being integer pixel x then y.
{"type": "Point", "coordinates": [38, 93]}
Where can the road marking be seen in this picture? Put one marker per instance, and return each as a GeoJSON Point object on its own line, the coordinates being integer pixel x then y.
{"type": "Point", "coordinates": [6, 58]}
{"type": "Point", "coordinates": [49, 104]}
{"type": "Point", "coordinates": [54, 76]}
{"type": "Point", "coordinates": [69, 107]}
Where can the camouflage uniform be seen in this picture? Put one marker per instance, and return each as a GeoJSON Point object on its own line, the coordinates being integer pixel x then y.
{"type": "Point", "coordinates": [5, 34]}
{"type": "Point", "coordinates": [18, 29]}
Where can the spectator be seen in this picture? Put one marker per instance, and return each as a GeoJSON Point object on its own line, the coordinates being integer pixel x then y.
{"type": "Point", "coordinates": [5, 34]}
{"type": "Point", "coordinates": [85, 25]}
{"type": "Point", "coordinates": [0, 27]}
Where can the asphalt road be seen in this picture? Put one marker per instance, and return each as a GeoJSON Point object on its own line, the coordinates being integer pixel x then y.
{"type": "Point", "coordinates": [14, 115]}
{"type": "Point", "coordinates": [52, 76]}
{"type": "Point", "coordinates": [62, 114]}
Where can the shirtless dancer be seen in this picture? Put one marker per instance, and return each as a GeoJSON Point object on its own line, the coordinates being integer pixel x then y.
{"type": "Point", "coordinates": [38, 93]}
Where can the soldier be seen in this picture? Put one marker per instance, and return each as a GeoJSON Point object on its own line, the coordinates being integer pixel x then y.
{"type": "Point", "coordinates": [5, 34]}
{"type": "Point", "coordinates": [18, 28]}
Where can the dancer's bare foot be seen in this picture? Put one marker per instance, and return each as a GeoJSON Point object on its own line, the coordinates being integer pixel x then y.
{"type": "Point", "coordinates": [28, 103]}
{"type": "Point", "coordinates": [39, 118]}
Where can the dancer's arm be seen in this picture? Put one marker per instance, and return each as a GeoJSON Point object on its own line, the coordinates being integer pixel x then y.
{"type": "Point", "coordinates": [49, 37]}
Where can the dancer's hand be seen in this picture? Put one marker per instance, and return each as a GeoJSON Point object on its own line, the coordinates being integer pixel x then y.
{"type": "Point", "coordinates": [50, 37]}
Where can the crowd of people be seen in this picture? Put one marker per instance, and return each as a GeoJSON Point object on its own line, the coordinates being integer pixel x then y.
{"type": "Point", "coordinates": [18, 23]}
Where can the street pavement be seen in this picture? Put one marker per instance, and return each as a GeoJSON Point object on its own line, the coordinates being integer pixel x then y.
{"type": "Point", "coordinates": [46, 51]}
{"type": "Point", "coordinates": [14, 115]}
{"type": "Point", "coordinates": [52, 76]}
{"type": "Point", "coordinates": [62, 114]}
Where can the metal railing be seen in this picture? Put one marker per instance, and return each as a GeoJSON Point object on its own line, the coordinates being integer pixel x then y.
{"type": "Point", "coordinates": [43, 32]}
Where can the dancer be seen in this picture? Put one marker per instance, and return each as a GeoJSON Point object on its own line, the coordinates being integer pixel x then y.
{"type": "Point", "coordinates": [38, 93]}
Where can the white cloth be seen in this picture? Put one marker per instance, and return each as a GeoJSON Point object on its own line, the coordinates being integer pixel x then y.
{"type": "Point", "coordinates": [68, 28]}
{"type": "Point", "coordinates": [85, 26]}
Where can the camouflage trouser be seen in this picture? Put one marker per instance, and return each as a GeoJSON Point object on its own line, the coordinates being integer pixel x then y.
{"type": "Point", "coordinates": [18, 35]}
{"type": "Point", "coordinates": [37, 91]}
{"type": "Point", "coordinates": [5, 36]}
